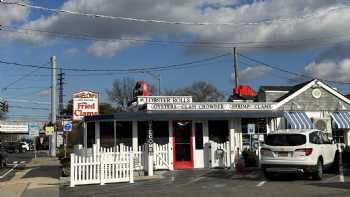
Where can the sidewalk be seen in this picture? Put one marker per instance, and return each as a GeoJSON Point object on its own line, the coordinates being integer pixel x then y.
{"type": "Point", "coordinates": [39, 178]}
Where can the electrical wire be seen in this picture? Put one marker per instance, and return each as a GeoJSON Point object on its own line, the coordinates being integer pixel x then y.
{"type": "Point", "coordinates": [173, 22]}
{"type": "Point", "coordinates": [154, 68]}
{"type": "Point", "coordinates": [287, 71]}
{"type": "Point", "coordinates": [31, 108]}
{"type": "Point", "coordinates": [19, 79]}
{"type": "Point", "coordinates": [202, 44]}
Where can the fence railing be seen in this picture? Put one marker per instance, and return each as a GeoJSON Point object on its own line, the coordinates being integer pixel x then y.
{"type": "Point", "coordinates": [102, 166]}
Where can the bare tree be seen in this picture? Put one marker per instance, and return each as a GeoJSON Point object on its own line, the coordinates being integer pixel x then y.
{"type": "Point", "coordinates": [122, 91]}
{"type": "Point", "coordinates": [201, 91]}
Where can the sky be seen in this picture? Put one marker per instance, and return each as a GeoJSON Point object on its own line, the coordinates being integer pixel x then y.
{"type": "Point", "coordinates": [307, 37]}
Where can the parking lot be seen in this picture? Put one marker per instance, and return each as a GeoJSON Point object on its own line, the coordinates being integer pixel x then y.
{"type": "Point", "coordinates": [218, 183]}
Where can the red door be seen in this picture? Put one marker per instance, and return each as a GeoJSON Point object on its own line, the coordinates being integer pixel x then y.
{"type": "Point", "coordinates": [183, 151]}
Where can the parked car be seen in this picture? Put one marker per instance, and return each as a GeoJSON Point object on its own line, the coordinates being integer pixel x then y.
{"type": "Point", "coordinates": [298, 151]}
{"type": "Point", "coordinates": [25, 147]}
{"type": "Point", "coordinates": [3, 159]}
{"type": "Point", "coordinates": [13, 147]}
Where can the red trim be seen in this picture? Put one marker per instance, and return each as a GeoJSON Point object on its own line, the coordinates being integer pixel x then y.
{"type": "Point", "coordinates": [182, 164]}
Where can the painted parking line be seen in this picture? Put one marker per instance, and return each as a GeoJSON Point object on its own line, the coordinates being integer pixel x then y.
{"type": "Point", "coordinates": [6, 173]}
{"type": "Point", "coordinates": [22, 162]}
{"type": "Point", "coordinates": [261, 184]}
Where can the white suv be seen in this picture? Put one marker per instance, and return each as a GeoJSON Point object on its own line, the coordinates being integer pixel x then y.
{"type": "Point", "coordinates": [297, 151]}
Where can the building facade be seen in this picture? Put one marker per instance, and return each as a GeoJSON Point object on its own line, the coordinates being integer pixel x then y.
{"type": "Point", "coordinates": [211, 134]}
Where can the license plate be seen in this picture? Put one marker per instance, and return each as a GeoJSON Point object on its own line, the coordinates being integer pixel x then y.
{"type": "Point", "coordinates": [282, 154]}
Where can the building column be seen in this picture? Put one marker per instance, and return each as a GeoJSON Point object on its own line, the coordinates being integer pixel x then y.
{"type": "Point", "coordinates": [150, 150]}
{"type": "Point", "coordinates": [206, 148]}
{"type": "Point", "coordinates": [232, 143]}
{"type": "Point", "coordinates": [114, 134]}
{"type": "Point", "coordinates": [347, 137]}
{"type": "Point", "coordinates": [171, 147]}
{"type": "Point", "coordinates": [134, 136]}
{"type": "Point", "coordinates": [85, 134]}
{"type": "Point", "coordinates": [97, 135]}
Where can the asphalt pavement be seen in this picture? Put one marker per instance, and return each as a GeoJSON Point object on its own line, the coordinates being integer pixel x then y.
{"type": "Point", "coordinates": [212, 183]}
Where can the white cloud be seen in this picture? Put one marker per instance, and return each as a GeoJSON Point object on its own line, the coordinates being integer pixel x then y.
{"type": "Point", "coordinates": [251, 73]}
{"type": "Point", "coordinates": [330, 70]}
{"type": "Point", "coordinates": [72, 51]}
{"type": "Point", "coordinates": [217, 11]}
{"type": "Point", "coordinates": [107, 48]}
{"type": "Point", "coordinates": [9, 14]}
{"type": "Point", "coordinates": [45, 93]}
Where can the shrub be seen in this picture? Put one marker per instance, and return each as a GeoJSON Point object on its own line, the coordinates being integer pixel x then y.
{"type": "Point", "coordinates": [249, 157]}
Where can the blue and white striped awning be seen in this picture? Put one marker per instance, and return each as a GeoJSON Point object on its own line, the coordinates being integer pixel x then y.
{"type": "Point", "coordinates": [298, 120]}
{"type": "Point", "coordinates": [341, 119]}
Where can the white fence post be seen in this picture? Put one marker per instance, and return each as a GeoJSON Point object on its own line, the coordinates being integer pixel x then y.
{"type": "Point", "coordinates": [131, 167]}
{"type": "Point", "coordinates": [72, 170]}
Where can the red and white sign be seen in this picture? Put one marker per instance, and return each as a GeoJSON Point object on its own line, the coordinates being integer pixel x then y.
{"type": "Point", "coordinates": [85, 103]}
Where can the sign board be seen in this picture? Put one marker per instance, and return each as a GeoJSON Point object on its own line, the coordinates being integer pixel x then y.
{"type": "Point", "coordinates": [13, 128]}
{"type": "Point", "coordinates": [150, 138]}
{"type": "Point", "coordinates": [67, 127]}
{"type": "Point", "coordinates": [210, 106]}
{"type": "Point", "coordinates": [163, 99]}
{"type": "Point", "coordinates": [49, 130]}
{"type": "Point", "coordinates": [251, 128]}
{"type": "Point", "coordinates": [34, 130]}
{"type": "Point", "coordinates": [85, 103]}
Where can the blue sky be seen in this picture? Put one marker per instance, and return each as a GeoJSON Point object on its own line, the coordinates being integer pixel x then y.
{"type": "Point", "coordinates": [309, 57]}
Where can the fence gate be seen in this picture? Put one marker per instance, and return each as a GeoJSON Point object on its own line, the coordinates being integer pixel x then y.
{"type": "Point", "coordinates": [103, 166]}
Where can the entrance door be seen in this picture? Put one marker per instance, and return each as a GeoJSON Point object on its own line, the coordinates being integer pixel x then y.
{"type": "Point", "coordinates": [183, 153]}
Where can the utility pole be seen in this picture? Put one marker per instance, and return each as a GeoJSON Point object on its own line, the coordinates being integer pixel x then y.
{"type": "Point", "coordinates": [60, 94]}
{"type": "Point", "coordinates": [53, 106]}
{"type": "Point", "coordinates": [235, 66]}
{"type": "Point", "coordinates": [61, 108]}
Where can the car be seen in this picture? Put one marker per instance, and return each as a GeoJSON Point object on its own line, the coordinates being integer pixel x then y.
{"type": "Point", "coordinates": [307, 151]}
{"type": "Point", "coordinates": [12, 147]}
{"type": "Point", "coordinates": [25, 146]}
{"type": "Point", "coordinates": [3, 156]}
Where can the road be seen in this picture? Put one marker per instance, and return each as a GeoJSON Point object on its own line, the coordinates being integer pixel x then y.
{"type": "Point", "coordinates": [18, 161]}
{"type": "Point", "coordinates": [212, 183]}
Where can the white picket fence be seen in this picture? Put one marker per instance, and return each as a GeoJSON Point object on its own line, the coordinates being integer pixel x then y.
{"type": "Point", "coordinates": [160, 160]}
{"type": "Point", "coordinates": [114, 164]}
{"type": "Point", "coordinates": [107, 165]}
{"type": "Point", "coordinates": [219, 154]}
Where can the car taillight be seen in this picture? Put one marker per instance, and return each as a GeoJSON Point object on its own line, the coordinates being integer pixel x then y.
{"type": "Point", "coordinates": [307, 151]}
{"type": "Point", "coordinates": [265, 151]}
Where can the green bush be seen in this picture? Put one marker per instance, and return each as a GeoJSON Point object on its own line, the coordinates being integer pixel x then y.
{"type": "Point", "coordinates": [249, 157]}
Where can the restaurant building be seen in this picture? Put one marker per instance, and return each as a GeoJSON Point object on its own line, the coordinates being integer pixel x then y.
{"type": "Point", "coordinates": [189, 134]}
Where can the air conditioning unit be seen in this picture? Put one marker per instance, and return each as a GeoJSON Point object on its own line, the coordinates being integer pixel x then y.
{"type": "Point", "coordinates": [323, 124]}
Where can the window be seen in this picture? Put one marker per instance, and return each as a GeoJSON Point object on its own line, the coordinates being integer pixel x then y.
{"type": "Point", "coordinates": [285, 140]}
{"type": "Point", "coordinates": [90, 134]}
{"type": "Point", "coordinates": [315, 138]}
{"type": "Point", "coordinates": [325, 138]}
{"type": "Point", "coordinates": [199, 135]}
{"type": "Point", "coordinates": [218, 130]}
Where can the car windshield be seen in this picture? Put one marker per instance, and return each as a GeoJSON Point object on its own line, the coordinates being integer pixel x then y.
{"type": "Point", "coordinates": [285, 140]}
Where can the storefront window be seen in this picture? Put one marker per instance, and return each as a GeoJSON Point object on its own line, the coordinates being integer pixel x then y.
{"type": "Point", "coordinates": [124, 133]}
{"type": "Point", "coordinates": [90, 134]}
{"type": "Point", "coordinates": [160, 132]}
{"type": "Point", "coordinates": [338, 135]}
{"type": "Point", "coordinates": [218, 130]}
{"type": "Point", "coordinates": [107, 134]}
{"type": "Point", "coordinates": [199, 135]}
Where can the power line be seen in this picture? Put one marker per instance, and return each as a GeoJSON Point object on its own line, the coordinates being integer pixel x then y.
{"type": "Point", "coordinates": [154, 68]}
{"type": "Point", "coordinates": [32, 108]}
{"type": "Point", "coordinates": [173, 22]}
{"type": "Point", "coordinates": [19, 79]}
{"type": "Point", "coordinates": [202, 44]}
{"type": "Point", "coordinates": [287, 71]}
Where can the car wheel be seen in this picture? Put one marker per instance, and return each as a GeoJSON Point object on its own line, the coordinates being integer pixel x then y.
{"type": "Point", "coordinates": [319, 171]}
{"type": "Point", "coordinates": [268, 175]}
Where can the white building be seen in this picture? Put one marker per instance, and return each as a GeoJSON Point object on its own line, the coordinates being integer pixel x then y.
{"type": "Point", "coordinates": [205, 135]}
